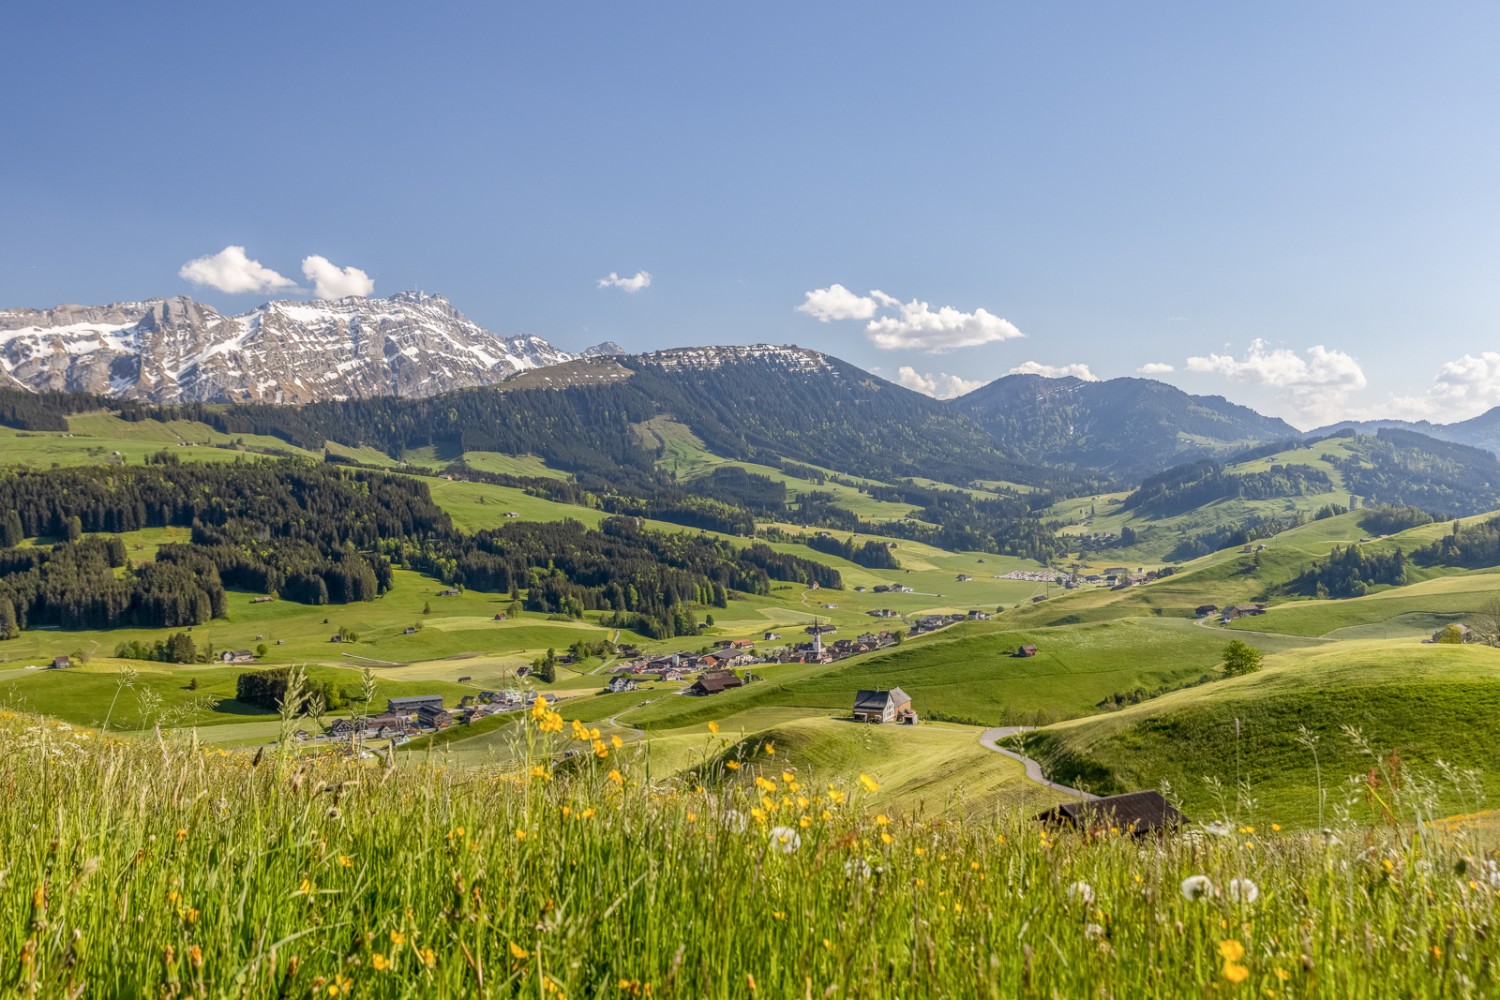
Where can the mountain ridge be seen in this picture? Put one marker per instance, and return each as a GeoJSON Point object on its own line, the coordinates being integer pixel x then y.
{"type": "Point", "coordinates": [170, 350]}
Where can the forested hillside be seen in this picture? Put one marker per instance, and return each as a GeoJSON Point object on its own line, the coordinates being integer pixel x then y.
{"type": "Point", "coordinates": [320, 535]}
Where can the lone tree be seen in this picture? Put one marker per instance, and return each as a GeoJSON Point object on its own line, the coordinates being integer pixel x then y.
{"type": "Point", "coordinates": [1241, 658]}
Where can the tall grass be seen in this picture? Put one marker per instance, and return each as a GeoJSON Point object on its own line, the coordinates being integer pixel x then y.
{"type": "Point", "coordinates": [159, 868]}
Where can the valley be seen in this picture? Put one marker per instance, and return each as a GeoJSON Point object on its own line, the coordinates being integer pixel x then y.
{"type": "Point", "coordinates": [1120, 650]}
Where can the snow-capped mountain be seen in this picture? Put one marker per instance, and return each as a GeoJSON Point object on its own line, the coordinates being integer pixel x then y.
{"type": "Point", "coordinates": [178, 350]}
{"type": "Point", "coordinates": [796, 359]}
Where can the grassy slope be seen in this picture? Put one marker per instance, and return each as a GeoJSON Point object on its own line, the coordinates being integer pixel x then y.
{"type": "Point", "coordinates": [968, 673]}
{"type": "Point", "coordinates": [1425, 703]}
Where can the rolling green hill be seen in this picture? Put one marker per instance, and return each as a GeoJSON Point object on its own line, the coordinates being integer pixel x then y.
{"type": "Point", "coordinates": [1420, 709]}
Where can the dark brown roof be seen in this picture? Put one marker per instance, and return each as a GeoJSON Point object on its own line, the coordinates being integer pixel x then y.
{"type": "Point", "coordinates": [715, 681]}
{"type": "Point", "coordinates": [1140, 812]}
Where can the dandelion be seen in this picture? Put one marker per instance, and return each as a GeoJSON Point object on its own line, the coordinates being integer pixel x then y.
{"type": "Point", "coordinates": [882, 820]}
{"type": "Point", "coordinates": [857, 867]}
{"type": "Point", "coordinates": [713, 727]}
{"type": "Point", "coordinates": [429, 957]}
{"type": "Point", "coordinates": [345, 861]}
{"type": "Point", "coordinates": [518, 953]}
{"type": "Point", "coordinates": [770, 749]}
{"type": "Point", "coordinates": [1196, 887]}
{"type": "Point", "coordinates": [618, 743]}
{"type": "Point", "coordinates": [379, 962]}
{"type": "Point", "coordinates": [868, 783]}
{"type": "Point", "coordinates": [617, 777]}
{"type": "Point", "coordinates": [1093, 931]}
{"type": "Point", "coordinates": [1081, 892]}
{"type": "Point", "coordinates": [397, 939]}
{"type": "Point", "coordinates": [785, 839]}
{"type": "Point", "coordinates": [520, 834]}
{"type": "Point", "coordinates": [1242, 890]}
{"type": "Point", "coordinates": [733, 765]}
{"type": "Point", "coordinates": [1235, 972]}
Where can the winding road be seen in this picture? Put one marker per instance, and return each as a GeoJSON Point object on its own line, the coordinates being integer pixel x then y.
{"type": "Point", "coordinates": [989, 739]}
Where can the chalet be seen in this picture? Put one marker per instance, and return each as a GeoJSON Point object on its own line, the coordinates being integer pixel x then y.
{"type": "Point", "coordinates": [723, 643]}
{"type": "Point", "coordinates": [342, 728]}
{"type": "Point", "coordinates": [900, 588]}
{"type": "Point", "coordinates": [465, 680]}
{"type": "Point", "coordinates": [261, 600]}
{"type": "Point", "coordinates": [409, 630]}
{"type": "Point", "coordinates": [434, 716]}
{"type": "Point", "coordinates": [1026, 651]}
{"type": "Point", "coordinates": [883, 706]}
{"type": "Point", "coordinates": [450, 592]}
{"type": "Point", "coordinates": [672, 674]}
{"type": "Point", "coordinates": [743, 643]}
{"type": "Point", "coordinates": [1139, 813]}
{"type": "Point", "coordinates": [237, 656]}
{"type": "Point", "coordinates": [772, 636]}
{"type": "Point", "coordinates": [1204, 610]}
{"type": "Point", "coordinates": [1242, 611]}
{"type": "Point", "coordinates": [281, 642]}
{"type": "Point", "coordinates": [61, 663]}
{"type": "Point", "coordinates": [725, 658]}
{"type": "Point", "coordinates": [881, 613]}
{"type": "Point", "coordinates": [964, 578]}
{"type": "Point", "coordinates": [335, 638]}
{"type": "Point", "coordinates": [618, 684]}
{"type": "Point", "coordinates": [881, 588]}
{"type": "Point", "coordinates": [413, 704]}
{"type": "Point", "coordinates": [501, 616]}
{"type": "Point", "coordinates": [979, 616]}
{"type": "Point", "coordinates": [714, 682]}
{"type": "Point", "coordinates": [868, 639]}
{"type": "Point", "coordinates": [821, 629]}
{"type": "Point", "coordinates": [510, 513]}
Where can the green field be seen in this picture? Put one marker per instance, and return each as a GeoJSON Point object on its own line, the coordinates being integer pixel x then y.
{"type": "Point", "coordinates": [1420, 709]}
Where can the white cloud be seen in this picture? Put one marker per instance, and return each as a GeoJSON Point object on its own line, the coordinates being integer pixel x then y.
{"type": "Point", "coordinates": [1076, 370]}
{"type": "Point", "coordinates": [1156, 368]}
{"type": "Point", "coordinates": [918, 326]}
{"type": "Point", "coordinates": [1317, 383]}
{"type": "Point", "coordinates": [230, 270]}
{"type": "Point", "coordinates": [939, 385]}
{"type": "Point", "coordinates": [913, 325]}
{"type": "Point", "coordinates": [642, 279]}
{"type": "Point", "coordinates": [836, 302]}
{"type": "Point", "coordinates": [333, 282]}
{"type": "Point", "coordinates": [1461, 389]}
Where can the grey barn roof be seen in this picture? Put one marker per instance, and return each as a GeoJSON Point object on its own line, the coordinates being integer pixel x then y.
{"type": "Point", "coordinates": [1140, 812]}
{"type": "Point", "coordinates": [875, 701]}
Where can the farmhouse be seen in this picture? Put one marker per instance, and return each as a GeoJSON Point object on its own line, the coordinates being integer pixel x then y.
{"type": "Point", "coordinates": [237, 656]}
{"type": "Point", "coordinates": [883, 706]}
{"type": "Point", "coordinates": [618, 684]}
{"type": "Point", "coordinates": [714, 681]}
{"type": "Point", "coordinates": [1204, 610]}
{"type": "Point", "coordinates": [413, 704]}
{"type": "Point", "coordinates": [1134, 812]}
{"type": "Point", "coordinates": [772, 636]}
{"type": "Point", "coordinates": [61, 663]}
{"type": "Point", "coordinates": [1026, 651]}
{"type": "Point", "coordinates": [434, 716]}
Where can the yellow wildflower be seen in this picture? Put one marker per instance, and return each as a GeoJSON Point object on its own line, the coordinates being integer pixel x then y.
{"type": "Point", "coordinates": [1231, 951]}
{"type": "Point", "coordinates": [618, 743]}
{"type": "Point", "coordinates": [617, 777]}
{"type": "Point", "coordinates": [733, 765]}
{"type": "Point", "coordinates": [518, 953]}
{"type": "Point", "coordinates": [868, 783]}
{"type": "Point", "coordinates": [379, 962]}
{"type": "Point", "coordinates": [713, 727]}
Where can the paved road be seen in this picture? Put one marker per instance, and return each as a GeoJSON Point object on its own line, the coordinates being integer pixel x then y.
{"type": "Point", "coordinates": [989, 740]}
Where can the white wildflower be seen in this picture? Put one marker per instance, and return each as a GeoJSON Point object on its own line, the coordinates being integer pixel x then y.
{"type": "Point", "coordinates": [857, 868]}
{"type": "Point", "coordinates": [1218, 828]}
{"type": "Point", "coordinates": [1196, 887]}
{"type": "Point", "coordinates": [1081, 892]}
{"type": "Point", "coordinates": [1242, 890]}
{"type": "Point", "coordinates": [785, 839]}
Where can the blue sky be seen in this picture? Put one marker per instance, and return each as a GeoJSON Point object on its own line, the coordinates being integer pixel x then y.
{"type": "Point", "coordinates": [1302, 197]}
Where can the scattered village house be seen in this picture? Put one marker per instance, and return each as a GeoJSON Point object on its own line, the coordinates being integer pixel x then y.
{"type": "Point", "coordinates": [1139, 813]}
{"type": "Point", "coordinates": [237, 656]}
{"type": "Point", "coordinates": [714, 682]}
{"type": "Point", "coordinates": [431, 716]}
{"type": "Point", "coordinates": [883, 706]}
{"type": "Point", "coordinates": [1025, 651]}
{"type": "Point", "coordinates": [61, 663]}
{"type": "Point", "coordinates": [621, 683]}
{"type": "Point", "coordinates": [413, 704]}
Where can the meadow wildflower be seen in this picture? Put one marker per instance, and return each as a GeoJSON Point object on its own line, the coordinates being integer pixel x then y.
{"type": "Point", "coordinates": [713, 727]}
{"type": "Point", "coordinates": [1196, 887]}
{"type": "Point", "coordinates": [733, 765]}
{"type": "Point", "coordinates": [1242, 890]}
{"type": "Point", "coordinates": [1218, 828]}
{"type": "Point", "coordinates": [868, 783]}
{"type": "Point", "coordinates": [1081, 892]}
{"type": "Point", "coordinates": [785, 839]}
{"type": "Point", "coordinates": [379, 962]}
{"type": "Point", "coordinates": [518, 953]}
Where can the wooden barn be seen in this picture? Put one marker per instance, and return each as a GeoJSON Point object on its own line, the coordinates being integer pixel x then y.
{"type": "Point", "coordinates": [883, 706]}
{"type": "Point", "coordinates": [1139, 813]}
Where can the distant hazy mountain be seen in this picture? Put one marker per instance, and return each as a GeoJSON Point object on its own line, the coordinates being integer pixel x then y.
{"type": "Point", "coordinates": [179, 350]}
{"type": "Point", "coordinates": [1127, 427]}
{"type": "Point", "coordinates": [1482, 431]}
